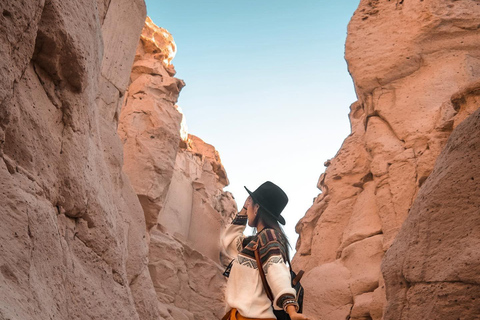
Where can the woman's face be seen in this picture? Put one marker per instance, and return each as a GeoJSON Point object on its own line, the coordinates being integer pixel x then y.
{"type": "Point", "coordinates": [251, 211]}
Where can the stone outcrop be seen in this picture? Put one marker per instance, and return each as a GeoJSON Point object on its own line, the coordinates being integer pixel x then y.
{"type": "Point", "coordinates": [72, 238]}
{"type": "Point", "coordinates": [412, 64]}
{"type": "Point", "coordinates": [149, 123]}
{"type": "Point", "coordinates": [432, 269]}
{"type": "Point", "coordinates": [179, 180]}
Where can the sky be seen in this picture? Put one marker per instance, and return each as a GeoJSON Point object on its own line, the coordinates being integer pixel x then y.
{"type": "Point", "coordinates": [267, 85]}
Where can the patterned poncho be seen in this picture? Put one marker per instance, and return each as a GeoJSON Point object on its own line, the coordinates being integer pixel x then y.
{"type": "Point", "coordinates": [245, 290]}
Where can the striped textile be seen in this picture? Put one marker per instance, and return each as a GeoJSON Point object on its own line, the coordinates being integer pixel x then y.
{"type": "Point", "coordinates": [269, 245]}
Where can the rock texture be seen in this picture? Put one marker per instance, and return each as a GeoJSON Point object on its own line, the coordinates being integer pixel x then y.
{"type": "Point", "coordinates": [412, 64]}
{"type": "Point", "coordinates": [432, 269]}
{"type": "Point", "coordinates": [179, 181]}
{"type": "Point", "coordinates": [72, 237]}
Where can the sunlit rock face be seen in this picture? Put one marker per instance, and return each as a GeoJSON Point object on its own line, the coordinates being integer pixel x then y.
{"type": "Point", "coordinates": [159, 42]}
{"type": "Point", "coordinates": [432, 269]}
{"type": "Point", "coordinates": [179, 180]}
{"type": "Point", "coordinates": [149, 124]}
{"type": "Point", "coordinates": [72, 230]}
{"type": "Point", "coordinates": [415, 66]}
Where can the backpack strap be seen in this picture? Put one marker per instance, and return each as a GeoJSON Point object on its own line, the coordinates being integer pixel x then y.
{"type": "Point", "coordinates": [262, 274]}
{"type": "Point", "coordinates": [298, 277]}
{"type": "Point", "coordinates": [264, 279]}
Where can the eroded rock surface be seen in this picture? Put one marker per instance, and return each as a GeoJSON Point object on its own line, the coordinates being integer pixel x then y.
{"type": "Point", "coordinates": [72, 237]}
{"type": "Point", "coordinates": [431, 270]}
{"type": "Point", "coordinates": [413, 64]}
{"type": "Point", "coordinates": [179, 180]}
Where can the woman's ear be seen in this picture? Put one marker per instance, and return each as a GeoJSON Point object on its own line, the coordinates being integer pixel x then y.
{"type": "Point", "coordinates": [255, 208]}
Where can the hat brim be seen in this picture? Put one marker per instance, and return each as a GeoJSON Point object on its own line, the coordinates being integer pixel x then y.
{"type": "Point", "coordinates": [280, 219]}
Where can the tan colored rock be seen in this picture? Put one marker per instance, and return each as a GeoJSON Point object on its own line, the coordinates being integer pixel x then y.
{"type": "Point", "coordinates": [186, 281]}
{"type": "Point", "coordinates": [413, 64]}
{"type": "Point", "coordinates": [365, 221]}
{"type": "Point", "coordinates": [431, 270]}
{"type": "Point", "coordinates": [196, 209]}
{"type": "Point", "coordinates": [149, 127]}
{"type": "Point", "coordinates": [378, 301]}
{"type": "Point", "coordinates": [363, 259]}
{"type": "Point", "coordinates": [369, 306]}
{"type": "Point", "coordinates": [361, 308]}
{"type": "Point", "coordinates": [120, 35]}
{"type": "Point", "coordinates": [159, 42]}
{"type": "Point", "coordinates": [73, 233]}
{"type": "Point", "coordinates": [333, 298]}
{"type": "Point", "coordinates": [328, 232]}
{"type": "Point", "coordinates": [179, 180]}
{"type": "Point", "coordinates": [19, 27]}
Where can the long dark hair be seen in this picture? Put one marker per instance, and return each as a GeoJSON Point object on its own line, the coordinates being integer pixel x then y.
{"type": "Point", "coordinates": [270, 222]}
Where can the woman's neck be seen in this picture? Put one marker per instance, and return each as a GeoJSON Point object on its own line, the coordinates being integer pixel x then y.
{"type": "Point", "coordinates": [260, 226]}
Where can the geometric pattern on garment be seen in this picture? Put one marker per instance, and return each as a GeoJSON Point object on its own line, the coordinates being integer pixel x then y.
{"type": "Point", "coordinates": [268, 245]}
{"type": "Point", "coordinates": [247, 262]}
{"type": "Point", "coordinates": [272, 260]}
{"type": "Point", "coordinates": [251, 263]}
{"type": "Point", "coordinates": [238, 243]}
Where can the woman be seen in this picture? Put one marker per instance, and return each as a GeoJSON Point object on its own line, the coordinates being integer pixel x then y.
{"type": "Point", "coordinates": [245, 294]}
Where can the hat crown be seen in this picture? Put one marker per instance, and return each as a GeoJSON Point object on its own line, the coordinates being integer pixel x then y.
{"type": "Point", "coordinates": [271, 198]}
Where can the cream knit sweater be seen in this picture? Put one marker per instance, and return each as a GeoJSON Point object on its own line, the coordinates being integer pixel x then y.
{"type": "Point", "coordinates": [245, 290]}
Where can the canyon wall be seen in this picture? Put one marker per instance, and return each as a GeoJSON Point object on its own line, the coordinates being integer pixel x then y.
{"type": "Point", "coordinates": [179, 180]}
{"type": "Point", "coordinates": [432, 269]}
{"type": "Point", "coordinates": [90, 231]}
{"type": "Point", "coordinates": [72, 237]}
{"type": "Point", "coordinates": [416, 67]}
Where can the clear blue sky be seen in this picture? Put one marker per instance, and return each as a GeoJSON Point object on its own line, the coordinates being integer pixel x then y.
{"type": "Point", "coordinates": [267, 85]}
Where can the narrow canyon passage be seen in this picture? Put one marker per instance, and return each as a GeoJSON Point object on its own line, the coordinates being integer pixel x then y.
{"type": "Point", "coordinates": [112, 210]}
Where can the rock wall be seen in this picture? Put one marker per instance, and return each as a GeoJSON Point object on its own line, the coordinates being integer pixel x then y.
{"type": "Point", "coordinates": [179, 180]}
{"type": "Point", "coordinates": [432, 269]}
{"type": "Point", "coordinates": [413, 64]}
{"type": "Point", "coordinates": [72, 237]}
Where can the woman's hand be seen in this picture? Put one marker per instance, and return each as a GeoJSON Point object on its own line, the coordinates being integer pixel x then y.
{"type": "Point", "coordinates": [243, 212]}
{"type": "Point", "coordinates": [294, 315]}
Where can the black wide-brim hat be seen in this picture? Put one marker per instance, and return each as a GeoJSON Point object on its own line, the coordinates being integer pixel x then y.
{"type": "Point", "coordinates": [271, 198]}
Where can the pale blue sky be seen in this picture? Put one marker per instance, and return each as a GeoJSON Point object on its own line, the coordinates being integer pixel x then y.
{"type": "Point", "coordinates": [267, 85]}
